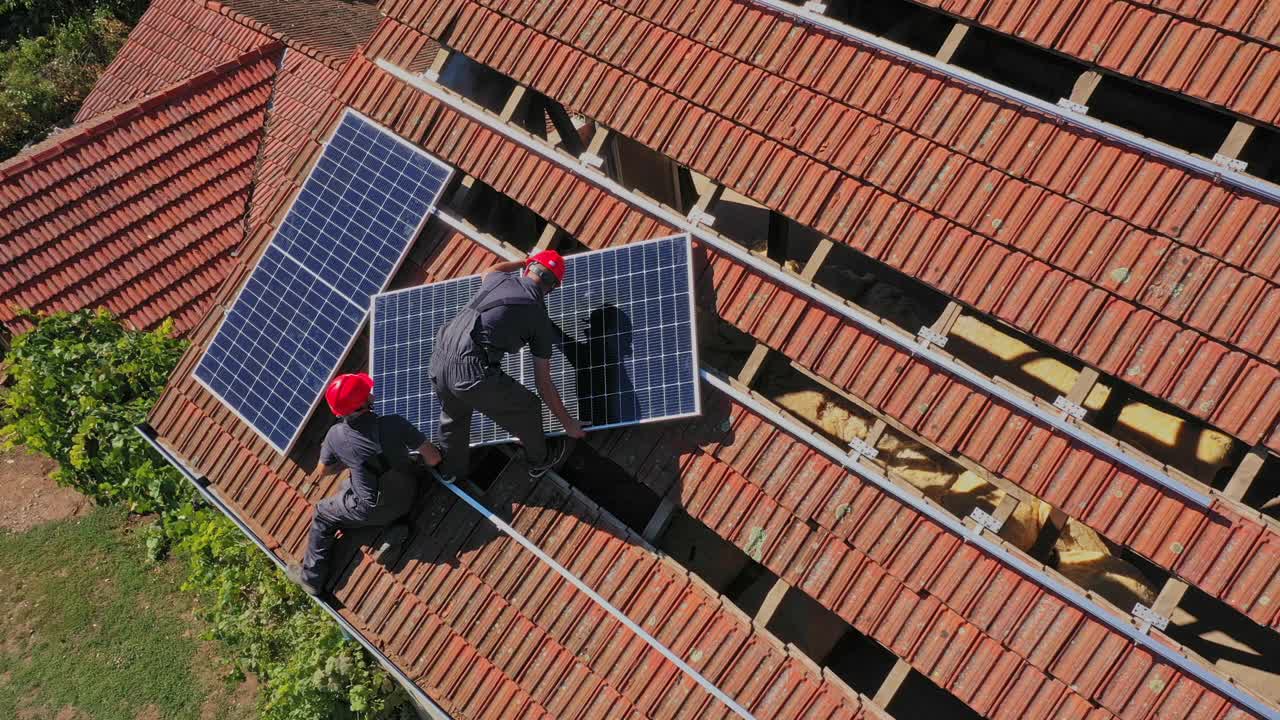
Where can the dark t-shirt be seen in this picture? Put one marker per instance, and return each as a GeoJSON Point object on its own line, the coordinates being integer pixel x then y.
{"type": "Point", "coordinates": [353, 443]}
{"type": "Point", "coordinates": [508, 328]}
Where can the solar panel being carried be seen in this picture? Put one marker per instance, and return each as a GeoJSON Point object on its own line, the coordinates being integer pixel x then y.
{"type": "Point", "coordinates": [297, 315]}
{"type": "Point", "coordinates": [628, 353]}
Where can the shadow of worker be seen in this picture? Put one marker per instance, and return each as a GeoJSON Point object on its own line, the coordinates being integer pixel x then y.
{"type": "Point", "coordinates": [605, 361]}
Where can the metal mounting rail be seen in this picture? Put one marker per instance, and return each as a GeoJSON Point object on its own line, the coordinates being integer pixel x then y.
{"type": "Point", "coordinates": [816, 294]}
{"type": "Point", "coordinates": [852, 463]}
{"type": "Point", "coordinates": [1022, 565]}
{"type": "Point", "coordinates": [599, 600]}
{"type": "Point", "coordinates": [202, 486]}
{"type": "Point", "coordinates": [1064, 115]}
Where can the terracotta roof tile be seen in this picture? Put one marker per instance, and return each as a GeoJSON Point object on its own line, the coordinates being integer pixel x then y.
{"type": "Point", "coordinates": [988, 223]}
{"type": "Point", "coordinates": [174, 40]}
{"type": "Point", "coordinates": [137, 210]}
{"type": "Point", "coordinates": [327, 29]}
{"type": "Point", "coordinates": [494, 635]}
{"type": "Point", "coordinates": [959, 419]}
{"type": "Point", "coordinates": [1223, 53]}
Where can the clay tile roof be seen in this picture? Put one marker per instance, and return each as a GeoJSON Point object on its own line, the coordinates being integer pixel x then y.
{"type": "Point", "coordinates": [174, 40]}
{"type": "Point", "coordinates": [327, 29]}
{"type": "Point", "coordinates": [139, 209]}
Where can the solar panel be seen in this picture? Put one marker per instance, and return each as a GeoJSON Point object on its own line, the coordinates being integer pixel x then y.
{"type": "Point", "coordinates": [345, 235]}
{"type": "Point", "coordinates": [628, 354]}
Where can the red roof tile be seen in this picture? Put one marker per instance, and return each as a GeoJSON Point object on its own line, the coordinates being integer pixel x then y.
{"type": "Point", "coordinates": [958, 418]}
{"type": "Point", "coordinates": [926, 594]}
{"type": "Point", "coordinates": [969, 216]}
{"type": "Point", "coordinates": [467, 608]}
{"type": "Point", "coordinates": [298, 103]}
{"type": "Point", "coordinates": [173, 41]}
{"type": "Point", "coordinates": [329, 30]}
{"type": "Point", "coordinates": [1224, 53]}
{"type": "Point", "coordinates": [492, 634]}
{"type": "Point", "coordinates": [139, 209]}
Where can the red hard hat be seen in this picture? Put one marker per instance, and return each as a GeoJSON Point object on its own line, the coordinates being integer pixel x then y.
{"type": "Point", "coordinates": [551, 260]}
{"type": "Point", "coordinates": [347, 393]}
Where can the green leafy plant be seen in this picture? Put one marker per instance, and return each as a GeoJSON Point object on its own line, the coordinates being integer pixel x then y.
{"type": "Point", "coordinates": [274, 630]}
{"type": "Point", "coordinates": [43, 79]}
{"type": "Point", "coordinates": [80, 383]}
{"type": "Point", "coordinates": [29, 18]}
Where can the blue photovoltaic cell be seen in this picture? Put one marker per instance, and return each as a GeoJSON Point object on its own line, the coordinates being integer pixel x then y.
{"type": "Point", "coordinates": [627, 355]}
{"type": "Point", "coordinates": [359, 209]}
{"type": "Point", "coordinates": [306, 300]}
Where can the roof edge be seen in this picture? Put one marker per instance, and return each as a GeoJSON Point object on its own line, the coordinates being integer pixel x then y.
{"type": "Point", "coordinates": [78, 136]}
{"type": "Point", "coordinates": [333, 61]}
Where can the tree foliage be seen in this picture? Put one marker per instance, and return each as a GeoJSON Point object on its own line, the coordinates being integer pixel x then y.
{"type": "Point", "coordinates": [44, 79]}
{"type": "Point", "coordinates": [80, 383]}
{"type": "Point", "coordinates": [32, 18]}
{"type": "Point", "coordinates": [277, 632]}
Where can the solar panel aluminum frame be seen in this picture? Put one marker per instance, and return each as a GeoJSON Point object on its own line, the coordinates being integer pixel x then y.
{"type": "Point", "coordinates": [431, 208]}
{"type": "Point", "coordinates": [502, 252]}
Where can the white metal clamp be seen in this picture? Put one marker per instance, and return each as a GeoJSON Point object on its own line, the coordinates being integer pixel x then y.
{"type": "Point", "coordinates": [1148, 618]}
{"type": "Point", "coordinates": [929, 336]}
{"type": "Point", "coordinates": [1070, 409]}
{"type": "Point", "coordinates": [859, 448]}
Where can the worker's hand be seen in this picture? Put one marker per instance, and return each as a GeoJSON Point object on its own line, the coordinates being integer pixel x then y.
{"type": "Point", "coordinates": [573, 429]}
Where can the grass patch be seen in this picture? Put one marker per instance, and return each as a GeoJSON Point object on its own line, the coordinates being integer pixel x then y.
{"type": "Point", "coordinates": [89, 623]}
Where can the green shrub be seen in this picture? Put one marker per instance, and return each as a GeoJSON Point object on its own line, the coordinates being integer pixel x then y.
{"type": "Point", "coordinates": [43, 79]}
{"type": "Point", "coordinates": [29, 18]}
{"type": "Point", "coordinates": [274, 630]}
{"type": "Point", "coordinates": [80, 383]}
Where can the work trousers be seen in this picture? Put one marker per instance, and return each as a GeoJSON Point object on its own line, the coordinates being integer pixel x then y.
{"type": "Point", "coordinates": [344, 512]}
{"type": "Point", "coordinates": [507, 402]}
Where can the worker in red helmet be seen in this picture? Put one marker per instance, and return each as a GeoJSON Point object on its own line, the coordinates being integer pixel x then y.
{"type": "Point", "coordinates": [381, 487]}
{"type": "Point", "coordinates": [508, 313]}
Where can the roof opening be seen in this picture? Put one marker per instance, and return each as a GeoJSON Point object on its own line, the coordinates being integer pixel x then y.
{"type": "Point", "coordinates": [615, 490]}
{"type": "Point", "coordinates": [496, 214]}
{"type": "Point", "coordinates": [1159, 115]}
{"type": "Point", "coordinates": [802, 621]}
{"type": "Point", "coordinates": [902, 300]}
{"type": "Point", "coordinates": [479, 83]}
{"type": "Point", "coordinates": [1262, 152]}
{"type": "Point", "coordinates": [1264, 492]}
{"type": "Point", "coordinates": [1021, 66]}
{"type": "Point", "coordinates": [700, 550]}
{"type": "Point", "coordinates": [862, 663]}
{"type": "Point", "coordinates": [751, 586]}
{"type": "Point", "coordinates": [903, 22]}
{"type": "Point", "coordinates": [920, 699]}
{"type": "Point", "coordinates": [1224, 636]}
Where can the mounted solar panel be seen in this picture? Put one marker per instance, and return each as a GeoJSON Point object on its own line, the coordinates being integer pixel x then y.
{"type": "Point", "coordinates": [347, 232]}
{"type": "Point", "coordinates": [627, 356]}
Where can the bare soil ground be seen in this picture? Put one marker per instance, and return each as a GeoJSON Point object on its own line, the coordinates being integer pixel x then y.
{"type": "Point", "coordinates": [29, 497]}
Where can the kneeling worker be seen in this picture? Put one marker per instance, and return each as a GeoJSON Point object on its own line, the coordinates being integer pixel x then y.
{"type": "Point", "coordinates": [383, 482]}
{"type": "Point", "coordinates": [508, 313]}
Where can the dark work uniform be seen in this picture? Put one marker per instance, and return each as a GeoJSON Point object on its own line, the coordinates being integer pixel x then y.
{"type": "Point", "coordinates": [507, 314]}
{"type": "Point", "coordinates": [379, 491]}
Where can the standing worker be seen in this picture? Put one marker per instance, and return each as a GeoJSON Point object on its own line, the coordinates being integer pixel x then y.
{"type": "Point", "coordinates": [382, 485]}
{"type": "Point", "coordinates": [508, 313]}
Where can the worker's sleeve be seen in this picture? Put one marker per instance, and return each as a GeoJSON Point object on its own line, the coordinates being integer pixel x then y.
{"type": "Point", "coordinates": [327, 455]}
{"type": "Point", "coordinates": [544, 335]}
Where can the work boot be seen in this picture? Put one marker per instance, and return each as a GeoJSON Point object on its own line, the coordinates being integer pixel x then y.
{"type": "Point", "coordinates": [557, 451]}
{"type": "Point", "coordinates": [392, 539]}
{"type": "Point", "coordinates": [294, 573]}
